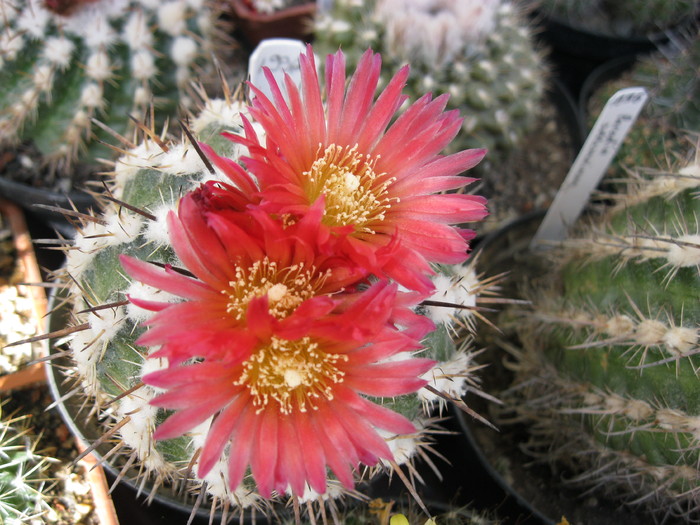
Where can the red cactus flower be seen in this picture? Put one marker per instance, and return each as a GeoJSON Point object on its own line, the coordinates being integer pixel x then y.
{"type": "Point", "coordinates": [380, 179]}
{"type": "Point", "coordinates": [273, 339]}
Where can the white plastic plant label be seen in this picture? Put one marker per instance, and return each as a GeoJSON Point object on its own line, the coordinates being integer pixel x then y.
{"type": "Point", "coordinates": [611, 128]}
{"type": "Point", "coordinates": [280, 55]}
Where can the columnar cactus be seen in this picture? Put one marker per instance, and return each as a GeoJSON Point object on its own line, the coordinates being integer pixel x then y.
{"type": "Point", "coordinates": [623, 17]}
{"type": "Point", "coordinates": [65, 63]}
{"type": "Point", "coordinates": [22, 475]}
{"type": "Point", "coordinates": [609, 366]}
{"type": "Point", "coordinates": [301, 333]}
{"type": "Point", "coordinates": [481, 53]}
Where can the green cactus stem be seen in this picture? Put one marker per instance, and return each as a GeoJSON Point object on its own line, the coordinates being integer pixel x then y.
{"type": "Point", "coordinates": [609, 366]}
{"type": "Point", "coordinates": [674, 88]}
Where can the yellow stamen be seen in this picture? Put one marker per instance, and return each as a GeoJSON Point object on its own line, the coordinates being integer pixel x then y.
{"type": "Point", "coordinates": [294, 374]}
{"type": "Point", "coordinates": [285, 288]}
{"type": "Point", "coordinates": [355, 193]}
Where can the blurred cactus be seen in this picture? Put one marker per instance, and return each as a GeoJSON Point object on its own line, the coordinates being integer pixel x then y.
{"type": "Point", "coordinates": [481, 53]}
{"type": "Point", "coordinates": [22, 475]}
{"type": "Point", "coordinates": [608, 368]}
{"type": "Point", "coordinates": [622, 17]}
{"type": "Point", "coordinates": [64, 63]}
{"type": "Point", "coordinates": [674, 87]}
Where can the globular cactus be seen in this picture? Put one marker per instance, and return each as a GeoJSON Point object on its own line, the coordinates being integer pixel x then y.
{"type": "Point", "coordinates": [22, 475]}
{"type": "Point", "coordinates": [481, 53]}
{"type": "Point", "coordinates": [162, 223]}
{"type": "Point", "coordinates": [626, 18]}
{"type": "Point", "coordinates": [64, 63]}
{"type": "Point", "coordinates": [608, 371]}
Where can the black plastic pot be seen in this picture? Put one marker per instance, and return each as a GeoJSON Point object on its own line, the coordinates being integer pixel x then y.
{"type": "Point", "coordinates": [604, 73]}
{"type": "Point", "coordinates": [33, 199]}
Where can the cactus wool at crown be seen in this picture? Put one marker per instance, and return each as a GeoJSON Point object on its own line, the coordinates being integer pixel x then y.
{"type": "Point", "coordinates": [610, 366]}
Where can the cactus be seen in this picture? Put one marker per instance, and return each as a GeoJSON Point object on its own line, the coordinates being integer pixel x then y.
{"type": "Point", "coordinates": [624, 17]}
{"type": "Point", "coordinates": [674, 89]}
{"type": "Point", "coordinates": [481, 53]}
{"type": "Point", "coordinates": [64, 63]}
{"type": "Point", "coordinates": [607, 370]}
{"type": "Point", "coordinates": [111, 295]}
{"type": "Point", "coordinates": [22, 473]}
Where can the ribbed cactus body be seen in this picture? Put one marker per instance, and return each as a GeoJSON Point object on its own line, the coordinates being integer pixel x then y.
{"type": "Point", "coordinates": [150, 178]}
{"type": "Point", "coordinates": [610, 347]}
{"type": "Point", "coordinates": [64, 64]}
{"type": "Point", "coordinates": [481, 53]}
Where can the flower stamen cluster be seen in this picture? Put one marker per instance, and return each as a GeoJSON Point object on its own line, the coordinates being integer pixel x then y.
{"type": "Point", "coordinates": [355, 194]}
{"type": "Point", "coordinates": [294, 374]}
{"type": "Point", "coordinates": [284, 288]}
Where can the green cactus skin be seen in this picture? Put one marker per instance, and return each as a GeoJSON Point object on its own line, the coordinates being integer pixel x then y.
{"type": "Point", "coordinates": [106, 363]}
{"type": "Point", "coordinates": [101, 59]}
{"type": "Point", "coordinates": [490, 66]}
{"type": "Point", "coordinates": [622, 17]}
{"type": "Point", "coordinates": [22, 475]}
{"type": "Point", "coordinates": [608, 367]}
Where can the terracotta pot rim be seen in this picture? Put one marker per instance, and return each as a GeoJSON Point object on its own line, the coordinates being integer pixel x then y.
{"type": "Point", "coordinates": [26, 257]}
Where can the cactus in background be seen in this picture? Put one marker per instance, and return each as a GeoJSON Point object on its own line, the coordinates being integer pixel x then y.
{"type": "Point", "coordinates": [622, 17]}
{"type": "Point", "coordinates": [64, 63]}
{"type": "Point", "coordinates": [609, 365]}
{"type": "Point", "coordinates": [481, 53]}
{"type": "Point", "coordinates": [22, 473]}
{"type": "Point", "coordinates": [672, 81]}
{"type": "Point", "coordinates": [113, 289]}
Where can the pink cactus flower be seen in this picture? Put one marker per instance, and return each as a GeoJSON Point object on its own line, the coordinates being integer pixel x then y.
{"type": "Point", "coordinates": [381, 179]}
{"type": "Point", "coordinates": [280, 341]}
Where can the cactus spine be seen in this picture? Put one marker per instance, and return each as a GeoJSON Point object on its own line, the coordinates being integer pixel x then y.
{"type": "Point", "coordinates": [481, 53]}
{"type": "Point", "coordinates": [63, 64]}
{"type": "Point", "coordinates": [609, 368]}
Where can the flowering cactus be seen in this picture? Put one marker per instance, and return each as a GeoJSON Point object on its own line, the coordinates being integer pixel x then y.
{"type": "Point", "coordinates": [254, 329]}
{"type": "Point", "coordinates": [64, 63]}
{"type": "Point", "coordinates": [608, 366]}
{"type": "Point", "coordinates": [22, 475]}
{"type": "Point", "coordinates": [480, 52]}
